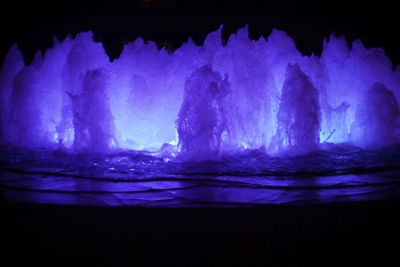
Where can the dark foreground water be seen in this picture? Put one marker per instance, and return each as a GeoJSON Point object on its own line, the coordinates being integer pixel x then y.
{"type": "Point", "coordinates": [249, 178]}
{"type": "Point", "coordinates": [336, 208]}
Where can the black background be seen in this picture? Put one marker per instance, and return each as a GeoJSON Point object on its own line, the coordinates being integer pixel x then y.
{"type": "Point", "coordinates": [336, 234]}
{"type": "Point", "coordinates": [32, 24]}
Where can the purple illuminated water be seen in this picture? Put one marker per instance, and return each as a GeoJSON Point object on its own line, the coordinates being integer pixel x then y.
{"type": "Point", "coordinates": [249, 122]}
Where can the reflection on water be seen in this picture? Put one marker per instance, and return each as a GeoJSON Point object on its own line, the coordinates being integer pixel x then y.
{"type": "Point", "coordinates": [246, 179]}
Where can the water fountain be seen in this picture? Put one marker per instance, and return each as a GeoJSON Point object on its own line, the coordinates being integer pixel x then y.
{"type": "Point", "coordinates": [229, 124]}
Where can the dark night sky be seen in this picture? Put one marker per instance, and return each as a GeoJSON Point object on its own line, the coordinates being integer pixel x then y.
{"type": "Point", "coordinates": [33, 24]}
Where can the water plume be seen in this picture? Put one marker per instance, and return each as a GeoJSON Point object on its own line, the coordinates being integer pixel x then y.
{"type": "Point", "coordinates": [203, 100]}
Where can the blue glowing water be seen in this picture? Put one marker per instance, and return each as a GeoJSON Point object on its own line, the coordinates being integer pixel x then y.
{"type": "Point", "coordinates": [246, 123]}
{"type": "Point", "coordinates": [248, 178]}
{"type": "Point", "coordinates": [204, 100]}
